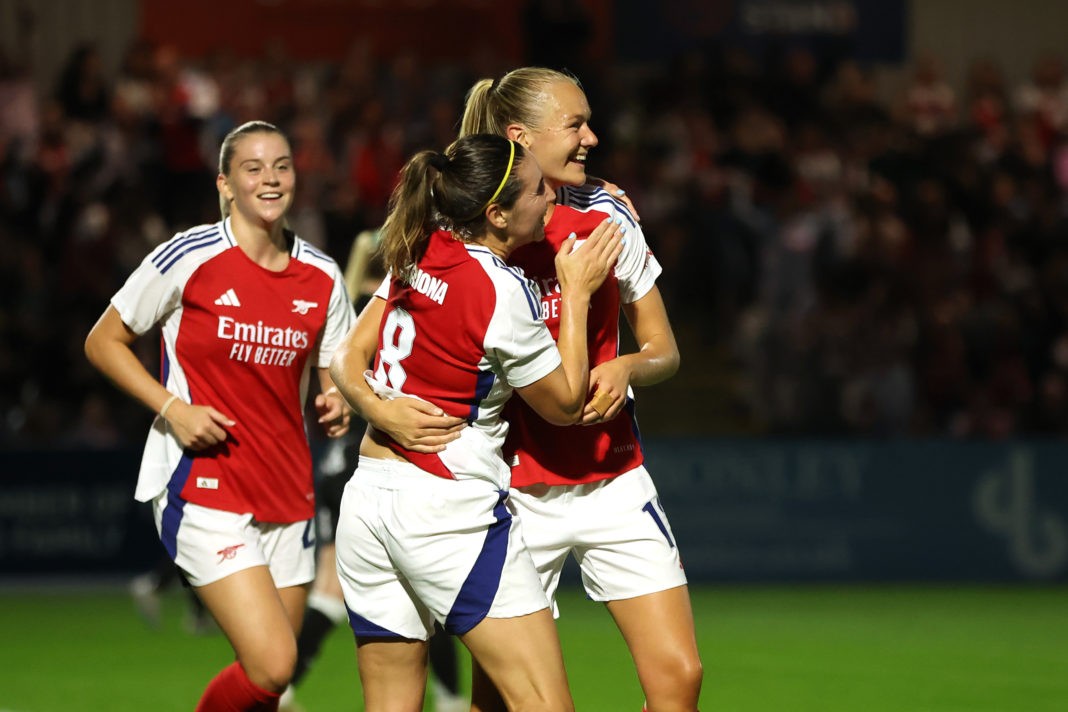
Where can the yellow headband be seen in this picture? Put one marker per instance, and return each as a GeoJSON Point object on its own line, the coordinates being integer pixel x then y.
{"type": "Point", "coordinates": [507, 172]}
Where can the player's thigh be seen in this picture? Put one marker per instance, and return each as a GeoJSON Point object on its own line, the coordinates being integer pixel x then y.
{"type": "Point", "coordinates": [484, 694]}
{"type": "Point", "coordinates": [249, 610]}
{"type": "Point", "coordinates": [294, 599]}
{"type": "Point", "coordinates": [659, 631]}
{"type": "Point", "coordinates": [522, 657]}
{"type": "Point", "coordinates": [659, 624]}
{"type": "Point", "coordinates": [393, 673]}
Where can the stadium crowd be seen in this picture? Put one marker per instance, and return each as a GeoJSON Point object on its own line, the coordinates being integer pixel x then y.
{"type": "Point", "coordinates": [868, 266]}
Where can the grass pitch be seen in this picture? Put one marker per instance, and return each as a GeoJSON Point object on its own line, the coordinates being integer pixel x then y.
{"type": "Point", "coordinates": [793, 649]}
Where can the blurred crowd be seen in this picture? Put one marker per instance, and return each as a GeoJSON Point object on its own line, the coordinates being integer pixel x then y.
{"type": "Point", "coordinates": [864, 266]}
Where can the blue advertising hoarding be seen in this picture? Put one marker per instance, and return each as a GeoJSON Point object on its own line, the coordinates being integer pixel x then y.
{"type": "Point", "coordinates": [71, 513]}
{"type": "Point", "coordinates": [758, 510]}
{"type": "Point", "coordinates": [741, 511]}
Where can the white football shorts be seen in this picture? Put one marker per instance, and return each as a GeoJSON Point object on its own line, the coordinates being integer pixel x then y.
{"type": "Point", "coordinates": [615, 528]}
{"type": "Point", "coordinates": [413, 548]}
{"type": "Point", "coordinates": [209, 544]}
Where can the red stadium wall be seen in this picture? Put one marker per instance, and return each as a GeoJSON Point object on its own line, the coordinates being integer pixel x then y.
{"type": "Point", "coordinates": [324, 29]}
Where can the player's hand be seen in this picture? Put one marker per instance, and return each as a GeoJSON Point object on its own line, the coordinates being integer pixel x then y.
{"type": "Point", "coordinates": [198, 427]}
{"type": "Point", "coordinates": [617, 193]}
{"type": "Point", "coordinates": [608, 392]}
{"type": "Point", "coordinates": [417, 425]}
{"type": "Point", "coordinates": [334, 413]}
{"type": "Point", "coordinates": [583, 266]}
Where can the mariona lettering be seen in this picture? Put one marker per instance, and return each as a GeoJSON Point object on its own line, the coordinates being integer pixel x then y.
{"type": "Point", "coordinates": [430, 287]}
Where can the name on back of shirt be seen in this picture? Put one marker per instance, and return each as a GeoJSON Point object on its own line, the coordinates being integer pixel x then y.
{"type": "Point", "coordinates": [432, 288]}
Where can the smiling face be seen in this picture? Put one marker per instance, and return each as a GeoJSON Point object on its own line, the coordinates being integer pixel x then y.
{"type": "Point", "coordinates": [260, 180]}
{"type": "Point", "coordinates": [526, 217]}
{"type": "Point", "coordinates": [563, 137]}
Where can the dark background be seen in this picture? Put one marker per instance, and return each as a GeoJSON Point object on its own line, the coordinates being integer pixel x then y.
{"type": "Point", "coordinates": [859, 207]}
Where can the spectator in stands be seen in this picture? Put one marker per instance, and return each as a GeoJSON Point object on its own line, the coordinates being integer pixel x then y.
{"type": "Point", "coordinates": [995, 172]}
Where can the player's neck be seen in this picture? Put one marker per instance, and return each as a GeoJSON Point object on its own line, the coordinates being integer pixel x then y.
{"type": "Point", "coordinates": [549, 212]}
{"type": "Point", "coordinates": [501, 249]}
{"type": "Point", "coordinates": [267, 246]}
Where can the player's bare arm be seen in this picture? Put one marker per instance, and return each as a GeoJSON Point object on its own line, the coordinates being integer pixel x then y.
{"type": "Point", "coordinates": [415, 424]}
{"type": "Point", "coordinates": [334, 412]}
{"type": "Point", "coordinates": [560, 396]}
{"type": "Point", "coordinates": [108, 348]}
{"type": "Point", "coordinates": [656, 359]}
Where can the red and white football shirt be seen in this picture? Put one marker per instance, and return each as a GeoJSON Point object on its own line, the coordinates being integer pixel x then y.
{"type": "Point", "coordinates": [539, 451]}
{"type": "Point", "coordinates": [463, 333]}
{"type": "Point", "coordinates": [238, 338]}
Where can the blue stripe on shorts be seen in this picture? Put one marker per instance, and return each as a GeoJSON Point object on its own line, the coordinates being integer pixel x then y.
{"type": "Point", "coordinates": [172, 513]}
{"type": "Point", "coordinates": [364, 628]}
{"type": "Point", "coordinates": [476, 595]}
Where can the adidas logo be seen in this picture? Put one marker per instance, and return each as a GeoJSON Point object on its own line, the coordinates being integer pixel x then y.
{"type": "Point", "coordinates": [228, 299]}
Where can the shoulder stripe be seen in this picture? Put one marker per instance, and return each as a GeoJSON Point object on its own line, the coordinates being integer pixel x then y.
{"type": "Point", "coordinates": [581, 200]}
{"type": "Point", "coordinates": [532, 301]}
{"type": "Point", "coordinates": [227, 234]}
{"type": "Point", "coordinates": [617, 207]}
{"type": "Point", "coordinates": [179, 241]}
{"type": "Point", "coordinates": [313, 257]}
{"type": "Point", "coordinates": [188, 247]}
{"type": "Point", "coordinates": [314, 252]}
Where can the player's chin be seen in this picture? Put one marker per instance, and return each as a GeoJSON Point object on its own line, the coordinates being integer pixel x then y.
{"type": "Point", "coordinates": [576, 173]}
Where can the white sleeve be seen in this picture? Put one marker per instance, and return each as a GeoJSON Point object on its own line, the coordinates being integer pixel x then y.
{"type": "Point", "coordinates": [339, 319]}
{"type": "Point", "coordinates": [517, 338]}
{"type": "Point", "coordinates": [149, 295]}
{"type": "Point", "coordinates": [637, 267]}
{"type": "Point", "coordinates": [383, 288]}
